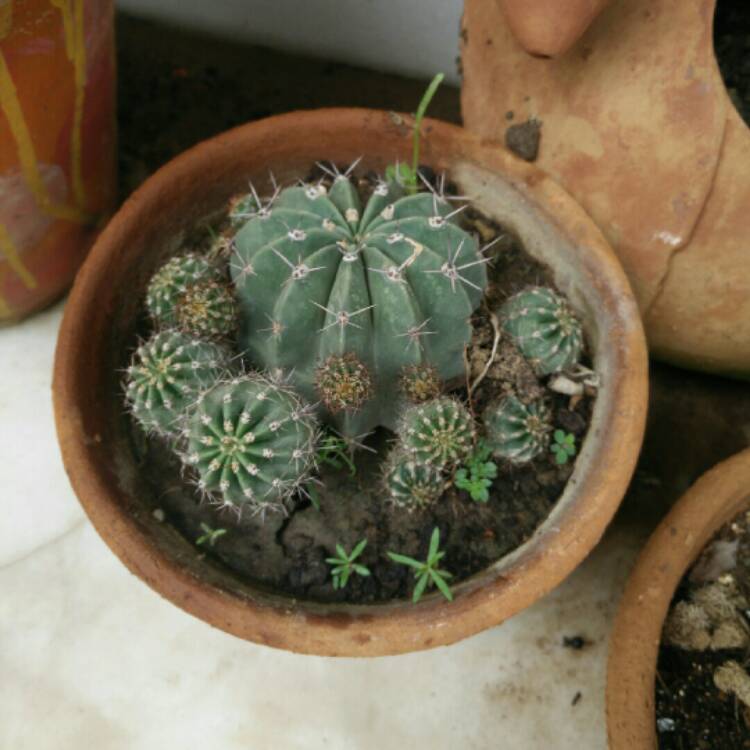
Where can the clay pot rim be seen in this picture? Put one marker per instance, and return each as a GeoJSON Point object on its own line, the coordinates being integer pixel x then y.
{"type": "Point", "coordinates": [485, 599]}
{"type": "Point", "coordinates": [717, 497]}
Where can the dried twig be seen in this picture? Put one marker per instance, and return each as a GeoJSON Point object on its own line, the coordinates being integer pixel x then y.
{"type": "Point", "coordinates": [498, 333]}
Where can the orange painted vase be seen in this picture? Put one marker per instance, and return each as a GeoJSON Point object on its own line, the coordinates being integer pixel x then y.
{"type": "Point", "coordinates": [57, 144]}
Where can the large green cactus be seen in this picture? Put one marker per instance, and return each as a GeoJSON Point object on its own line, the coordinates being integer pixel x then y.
{"type": "Point", "coordinates": [545, 329]}
{"type": "Point", "coordinates": [252, 442]}
{"type": "Point", "coordinates": [393, 284]}
{"type": "Point", "coordinates": [166, 376]}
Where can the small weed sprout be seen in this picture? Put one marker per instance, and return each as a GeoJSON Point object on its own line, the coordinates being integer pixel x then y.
{"type": "Point", "coordinates": [427, 572]}
{"type": "Point", "coordinates": [563, 447]}
{"type": "Point", "coordinates": [209, 535]}
{"type": "Point", "coordinates": [402, 172]}
{"type": "Point", "coordinates": [477, 475]}
{"type": "Point", "coordinates": [334, 451]}
{"type": "Point", "coordinates": [344, 565]}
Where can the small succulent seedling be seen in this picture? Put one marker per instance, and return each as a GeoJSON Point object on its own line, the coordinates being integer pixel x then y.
{"type": "Point", "coordinates": [440, 432]}
{"type": "Point", "coordinates": [477, 475]}
{"type": "Point", "coordinates": [334, 451]}
{"type": "Point", "coordinates": [252, 443]}
{"type": "Point", "coordinates": [412, 484]}
{"type": "Point", "coordinates": [166, 376]}
{"type": "Point", "coordinates": [402, 172]}
{"type": "Point", "coordinates": [344, 565]}
{"type": "Point", "coordinates": [545, 329]}
{"type": "Point", "coordinates": [563, 447]}
{"type": "Point", "coordinates": [323, 281]}
{"type": "Point", "coordinates": [209, 535]}
{"type": "Point", "coordinates": [427, 572]}
{"type": "Point", "coordinates": [516, 431]}
{"type": "Point", "coordinates": [420, 383]}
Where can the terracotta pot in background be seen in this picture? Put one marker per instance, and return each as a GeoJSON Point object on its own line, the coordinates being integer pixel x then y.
{"type": "Point", "coordinates": [717, 497]}
{"type": "Point", "coordinates": [638, 126]}
{"type": "Point", "coordinates": [550, 27]}
{"type": "Point", "coordinates": [57, 144]}
{"type": "Point", "coordinates": [99, 332]}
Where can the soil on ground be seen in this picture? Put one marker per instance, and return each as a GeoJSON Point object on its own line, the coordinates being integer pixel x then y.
{"type": "Point", "coordinates": [707, 635]}
{"type": "Point", "coordinates": [286, 553]}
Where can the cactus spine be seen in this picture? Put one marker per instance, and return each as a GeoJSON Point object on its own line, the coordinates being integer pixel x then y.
{"type": "Point", "coordinates": [166, 376]}
{"type": "Point", "coordinates": [412, 485]}
{"type": "Point", "coordinates": [393, 284]}
{"type": "Point", "coordinates": [544, 328]}
{"type": "Point", "coordinates": [440, 432]}
{"type": "Point", "coordinates": [252, 443]}
{"type": "Point", "coordinates": [517, 432]}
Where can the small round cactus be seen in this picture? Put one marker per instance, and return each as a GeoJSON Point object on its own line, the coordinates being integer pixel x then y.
{"type": "Point", "coordinates": [545, 329]}
{"type": "Point", "coordinates": [207, 309]}
{"type": "Point", "coordinates": [420, 383]}
{"type": "Point", "coordinates": [440, 432]}
{"type": "Point", "coordinates": [410, 484]}
{"type": "Point", "coordinates": [189, 292]}
{"type": "Point", "coordinates": [252, 443]}
{"type": "Point", "coordinates": [166, 376]}
{"type": "Point", "coordinates": [343, 383]}
{"type": "Point", "coordinates": [516, 431]}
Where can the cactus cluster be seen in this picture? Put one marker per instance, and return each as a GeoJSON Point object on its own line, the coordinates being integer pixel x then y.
{"type": "Point", "coordinates": [545, 329]}
{"type": "Point", "coordinates": [392, 283]}
{"type": "Point", "coordinates": [363, 312]}
{"type": "Point", "coordinates": [189, 293]}
{"type": "Point", "coordinates": [167, 375]}
{"type": "Point", "coordinates": [251, 441]}
{"type": "Point", "coordinates": [516, 431]}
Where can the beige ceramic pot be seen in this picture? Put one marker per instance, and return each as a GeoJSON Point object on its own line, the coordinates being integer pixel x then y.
{"type": "Point", "coordinates": [98, 332]}
{"type": "Point", "coordinates": [638, 126]}
{"type": "Point", "coordinates": [717, 497]}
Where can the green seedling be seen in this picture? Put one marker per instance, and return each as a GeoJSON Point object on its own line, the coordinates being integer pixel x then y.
{"type": "Point", "coordinates": [334, 451]}
{"type": "Point", "coordinates": [564, 446]}
{"type": "Point", "coordinates": [477, 475]}
{"type": "Point", "coordinates": [344, 565]}
{"type": "Point", "coordinates": [209, 535]}
{"type": "Point", "coordinates": [402, 172]}
{"type": "Point", "coordinates": [427, 572]}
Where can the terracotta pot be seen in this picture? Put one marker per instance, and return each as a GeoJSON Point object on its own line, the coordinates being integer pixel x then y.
{"type": "Point", "coordinates": [638, 126]}
{"type": "Point", "coordinates": [98, 330]}
{"type": "Point", "coordinates": [549, 27]}
{"type": "Point", "coordinates": [57, 144]}
{"type": "Point", "coordinates": [717, 497]}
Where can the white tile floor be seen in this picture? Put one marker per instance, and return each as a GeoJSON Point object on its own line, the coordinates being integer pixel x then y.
{"type": "Point", "coordinates": [91, 658]}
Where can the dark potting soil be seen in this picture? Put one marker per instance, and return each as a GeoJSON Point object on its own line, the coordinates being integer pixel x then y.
{"type": "Point", "coordinates": [691, 711]}
{"type": "Point", "coordinates": [732, 45]}
{"type": "Point", "coordinates": [287, 553]}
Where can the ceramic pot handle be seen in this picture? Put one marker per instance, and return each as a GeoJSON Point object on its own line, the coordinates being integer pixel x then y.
{"type": "Point", "coordinates": [549, 28]}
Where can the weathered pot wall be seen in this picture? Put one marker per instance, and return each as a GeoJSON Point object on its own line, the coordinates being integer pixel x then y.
{"type": "Point", "coordinates": [637, 125]}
